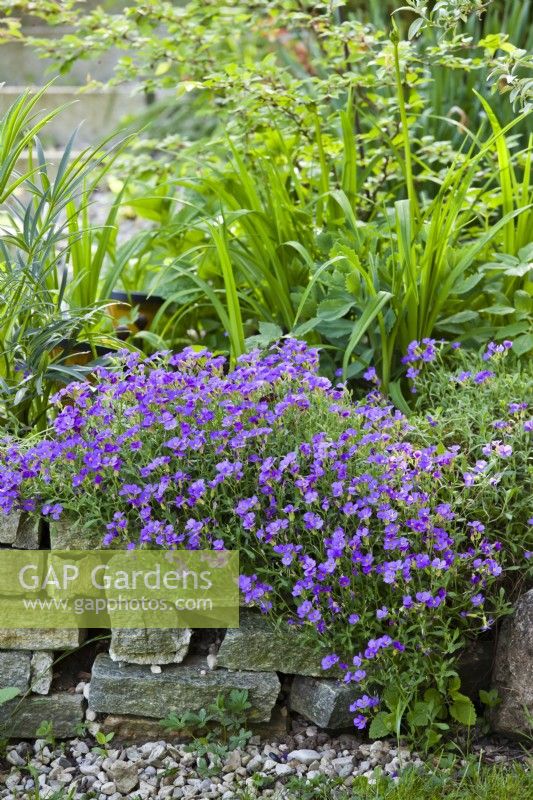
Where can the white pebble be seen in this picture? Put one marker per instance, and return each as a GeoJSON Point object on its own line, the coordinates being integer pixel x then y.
{"type": "Point", "coordinates": [304, 756]}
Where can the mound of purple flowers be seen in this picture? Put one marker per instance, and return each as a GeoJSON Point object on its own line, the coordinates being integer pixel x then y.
{"type": "Point", "coordinates": [344, 526]}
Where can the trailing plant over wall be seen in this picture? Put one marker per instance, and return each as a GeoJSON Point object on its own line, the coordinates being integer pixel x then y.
{"type": "Point", "coordinates": [347, 524]}
{"type": "Point", "coordinates": [482, 402]}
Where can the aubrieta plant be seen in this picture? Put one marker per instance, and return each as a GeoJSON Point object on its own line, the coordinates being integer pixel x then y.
{"type": "Point", "coordinates": [480, 402]}
{"type": "Point", "coordinates": [345, 524]}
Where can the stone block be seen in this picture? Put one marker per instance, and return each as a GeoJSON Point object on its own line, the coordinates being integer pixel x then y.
{"type": "Point", "coordinates": [259, 644]}
{"type": "Point", "coordinates": [8, 527]}
{"type": "Point", "coordinates": [69, 534]}
{"type": "Point", "coordinates": [323, 701]}
{"type": "Point", "coordinates": [513, 672]}
{"type": "Point", "coordinates": [15, 669]}
{"type": "Point", "coordinates": [142, 729]}
{"type": "Point", "coordinates": [20, 531]}
{"type": "Point", "coordinates": [20, 719]}
{"type": "Point", "coordinates": [149, 645]}
{"type": "Point", "coordinates": [40, 638]}
{"type": "Point", "coordinates": [42, 662]}
{"type": "Point", "coordinates": [134, 690]}
{"type": "Point", "coordinates": [29, 533]}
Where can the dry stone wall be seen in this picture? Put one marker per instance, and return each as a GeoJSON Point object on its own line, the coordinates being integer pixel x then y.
{"type": "Point", "coordinates": [135, 677]}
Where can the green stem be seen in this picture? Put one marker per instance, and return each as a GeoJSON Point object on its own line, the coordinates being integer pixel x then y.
{"type": "Point", "coordinates": [411, 193]}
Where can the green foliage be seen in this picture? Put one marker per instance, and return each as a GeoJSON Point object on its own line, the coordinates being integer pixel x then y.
{"type": "Point", "coordinates": [450, 408]}
{"type": "Point", "coordinates": [57, 269]}
{"type": "Point", "coordinates": [472, 781]}
{"type": "Point", "coordinates": [45, 731]}
{"type": "Point", "coordinates": [222, 725]}
{"type": "Point", "coordinates": [345, 192]}
{"type": "Point", "coordinates": [102, 740]}
{"type": "Point", "coordinates": [293, 259]}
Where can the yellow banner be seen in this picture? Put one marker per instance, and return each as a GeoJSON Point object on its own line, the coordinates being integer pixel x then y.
{"type": "Point", "coordinates": [119, 589]}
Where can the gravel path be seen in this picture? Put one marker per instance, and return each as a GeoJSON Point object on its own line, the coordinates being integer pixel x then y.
{"type": "Point", "coordinates": [75, 770]}
{"type": "Point", "coordinates": [165, 770]}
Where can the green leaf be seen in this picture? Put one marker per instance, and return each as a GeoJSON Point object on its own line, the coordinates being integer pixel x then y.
{"type": "Point", "coordinates": [523, 301]}
{"type": "Point", "coordinates": [462, 710]}
{"type": "Point", "coordinates": [305, 327]}
{"type": "Point", "coordinates": [467, 284]}
{"type": "Point", "coordinates": [489, 699]}
{"type": "Point", "coordinates": [397, 397]}
{"type": "Point", "coordinates": [454, 684]}
{"type": "Point", "coordinates": [391, 698]}
{"type": "Point", "coordinates": [499, 311]}
{"type": "Point", "coordinates": [372, 309]}
{"type": "Point", "coordinates": [415, 27]}
{"type": "Point", "coordinates": [381, 725]}
{"type": "Point", "coordinates": [523, 344]}
{"type": "Point", "coordinates": [420, 715]}
{"type": "Point", "coordinates": [8, 693]}
{"type": "Point", "coordinates": [519, 271]}
{"type": "Point", "coordinates": [270, 330]}
{"type": "Point", "coordinates": [330, 310]}
{"type": "Point", "coordinates": [509, 331]}
{"type": "Point", "coordinates": [461, 316]}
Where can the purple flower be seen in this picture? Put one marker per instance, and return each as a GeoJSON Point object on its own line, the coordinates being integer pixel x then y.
{"type": "Point", "coordinates": [483, 376]}
{"type": "Point", "coordinates": [330, 661]}
{"type": "Point", "coordinates": [341, 515]}
{"type": "Point", "coordinates": [371, 376]}
{"type": "Point", "coordinates": [496, 349]}
{"type": "Point", "coordinates": [53, 510]}
{"type": "Point", "coordinates": [312, 521]}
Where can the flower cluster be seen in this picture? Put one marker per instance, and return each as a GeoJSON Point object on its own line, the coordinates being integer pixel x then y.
{"type": "Point", "coordinates": [484, 410]}
{"type": "Point", "coordinates": [418, 354]}
{"type": "Point", "coordinates": [344, 523]}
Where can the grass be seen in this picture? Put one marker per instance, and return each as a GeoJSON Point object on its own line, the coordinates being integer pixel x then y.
{"type": "Point", "coordinates": [479, 783]}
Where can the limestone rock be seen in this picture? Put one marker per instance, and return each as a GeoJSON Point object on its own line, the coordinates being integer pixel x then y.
{"type": "Point", "coordinates": [304, 756]}
{"type": "Point", "coordinates": [135, 690]}
{"type": "Point", "coordinates": [513, 671]}
{"type": "Point", "coordinates": [20, 719]}
{"type": "Point", "coordinates": [41, 671]}
{"type": "Point", "coordinates": [40, 638]}
{"type": "Point", "coordinates": [149, 645]}
{"type": "Point", "coordinates": [124, 776]}
{"type": "Point", "coordinates": [69, 534]}
{"type": "Point", "coordinates": [129, 728]}
{"type": "Point", "coordinates": [260, 645]}
{"type": "Point", "coordinates": [323, 701]}
{"type": "Point", "coordinates": [8, 527]}
{"type": "Point", "coordinates": [137, 729]}
{"type": "Point", "coordinates": [20, 531]}
{"type": "Point", "coordinates": [15, 669]}
{"type": "Point", "coordinates": [29, 533]}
